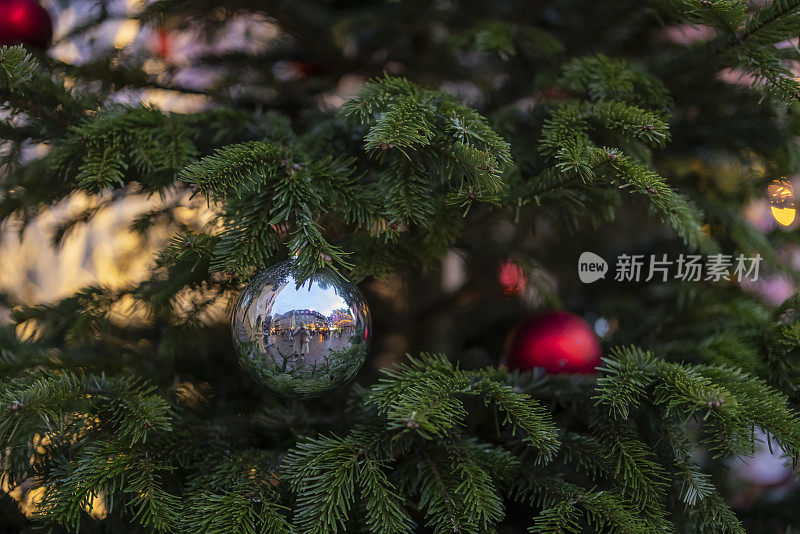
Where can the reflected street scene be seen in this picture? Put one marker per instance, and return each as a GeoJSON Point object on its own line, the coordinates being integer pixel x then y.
{"type": "Point", "coordinates": [301, 340]}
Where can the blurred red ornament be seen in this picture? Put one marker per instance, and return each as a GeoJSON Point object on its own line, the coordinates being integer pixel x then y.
{"type": "Point", "coordinates": [162, 43]}
{"type": "Point", "coordinates": [559, 342]}
{"type": "Point", "coordinates": [307, 69]}
{"type": "Point", "coordinates": [24, 22]}
{"type": "Point", "coordinates": [292, 71]}
{"type": "Point", "coordinates": [553, 93]}
{"type": "Point", "coordinates": [511, 278]}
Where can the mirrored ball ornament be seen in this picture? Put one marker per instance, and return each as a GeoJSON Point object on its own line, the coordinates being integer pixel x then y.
{"type": "Point", "coordinates": [301, 340]}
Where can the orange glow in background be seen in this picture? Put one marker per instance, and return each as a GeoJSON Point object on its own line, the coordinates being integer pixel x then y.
{"type": "Point", "coordinates": [781, 200]}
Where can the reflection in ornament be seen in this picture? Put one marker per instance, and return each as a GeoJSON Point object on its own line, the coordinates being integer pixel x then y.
{"type": "Point", "coordinates": [301, 341]}
{"type": "Point", "coordinates": [781, 199]}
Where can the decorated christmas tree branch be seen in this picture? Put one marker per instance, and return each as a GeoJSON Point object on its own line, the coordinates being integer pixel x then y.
{"type": "Point", "coordinates": [399, 178]}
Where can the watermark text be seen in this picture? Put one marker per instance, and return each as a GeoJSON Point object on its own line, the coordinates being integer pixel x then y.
{"type": "Point", "coordinates": [661, 268]}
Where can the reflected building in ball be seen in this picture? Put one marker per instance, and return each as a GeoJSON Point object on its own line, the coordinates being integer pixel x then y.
{"type": "Point", "coordinates": [301, 340]}
{"type": "Point", "coordinates": [292, 319]}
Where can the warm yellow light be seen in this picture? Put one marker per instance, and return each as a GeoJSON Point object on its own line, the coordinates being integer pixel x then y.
{"type": "Point", "coordinates": [784, 216]}
{"type": "Point", "coordinates": [96, 507]}
{"type": "Point", "coordinates": [28, 331]}
{"type": "Point", "coordinates": [126, 33]}
{"type": "Point", "coordinates": [781, 199]}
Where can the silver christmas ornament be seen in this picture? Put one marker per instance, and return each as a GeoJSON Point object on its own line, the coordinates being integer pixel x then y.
{"type": "Point", "coordinates": [301, 340]}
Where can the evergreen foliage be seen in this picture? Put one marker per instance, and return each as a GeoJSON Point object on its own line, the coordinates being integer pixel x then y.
{"type": "Point", "coordinates": [579, 104]}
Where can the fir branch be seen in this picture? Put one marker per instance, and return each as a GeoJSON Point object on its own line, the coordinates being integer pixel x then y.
{"type": "Point", "coordinates": [682, 215]}
{"type": "Point", "coordinates": [562, 502]}
{"type": "Point", "coordinates": [445, 509]}
{"type": "Point", "coordinates": [728, 400]}
{"type": "Point", "coordinates": [638, 474]}
{"type": "Point", "coordinates": [508, 40]}
{"type": "Point", "coordinates": [626, 377]}
{"type": "Point", "coordinates": [233, 167]}
{"type": "Point", "coordinates": [727, 15]}
{"type": "Point", "coordinates": [325, 473]}
{"type": "Point", "coordinates": [602, 78]}
{"type": "Point", "coordinates": [104, 468]}
{"type": "Point", "coordinates": [773, 23]}
{"type": "Point", "coordinates": [714, 515]}
{"type": "Point", "coordinates": [480, 498]}
{"type": "Point", "coordinates": [421, 396]}
{"type": "Point", "coordinates": [124, 144]}
{"type": "Point", "coordinates": [129, 409]}
{"type": "Point", "coordinates": [17, 65]}
{"type": "Point", "coordinates": [562, 518]}
{"type": "Point", "coordinates": [236, 494]}
{"type": "Point", "coordinates": [758, 404]}
{"type": "Point", "coordinates": [402, 127]}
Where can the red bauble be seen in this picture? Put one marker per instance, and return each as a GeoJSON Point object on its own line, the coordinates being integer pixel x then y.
{"type": "Point", "coordinates": [162, 46]}
{"type": "Point", "coordinates": [24, 22]}
{"type": "Point", "coordinates": [559, 342]}
{"type": "Point", "coordinates": [511, 277]}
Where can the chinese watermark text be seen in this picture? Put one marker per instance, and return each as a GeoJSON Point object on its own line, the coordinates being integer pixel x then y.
{"type": "Point", "coordinates": [661, 268]}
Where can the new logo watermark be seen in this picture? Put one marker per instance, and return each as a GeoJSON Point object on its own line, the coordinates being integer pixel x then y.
{"type": "Point", "coordinates": [591, 267]}
{"type": "Point", "coordinates": [685, 267]}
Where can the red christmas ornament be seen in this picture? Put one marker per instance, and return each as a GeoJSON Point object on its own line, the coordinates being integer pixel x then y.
{"type": "Point", "coordinates": [24, 22]}
{"type": "Point", "coordinates": [559, 342]}
{"type": "Point", "coordinates": [511, 277]}
{"type": "Point", "coordinates": [162, 44]}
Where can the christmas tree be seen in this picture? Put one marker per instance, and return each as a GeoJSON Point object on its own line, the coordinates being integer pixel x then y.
{"type": "Point", "coordinates": [467, 165]}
